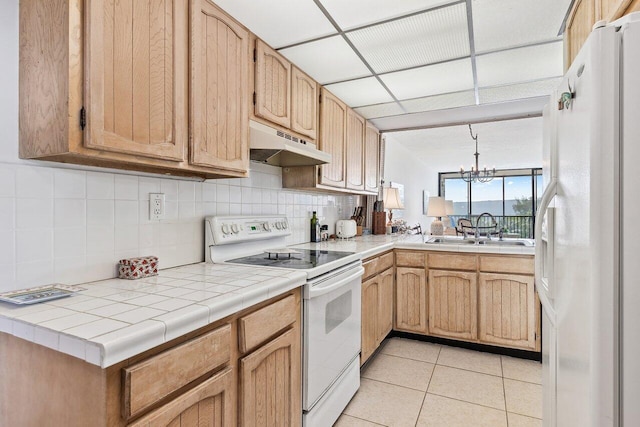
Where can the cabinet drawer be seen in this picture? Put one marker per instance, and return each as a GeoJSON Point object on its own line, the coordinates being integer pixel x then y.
{"type": "Point", "coordinates": [452, 261]}
{"type": "Point", "coordinates": [151, 380]}
{"type": "Point", "coordinates": [385, 261]}
{"type": "Point", "coordinates": [410, 259]}
{"type": "Point", "coordinates": [264, 323]}
{"type": "Point", "coordinates": [370, 267]}
{"type": "Point", "coordinates": [506, 264]}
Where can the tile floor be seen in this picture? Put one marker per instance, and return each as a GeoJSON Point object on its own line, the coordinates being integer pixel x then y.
{"type": "Point", "coordinates": [413, 383]}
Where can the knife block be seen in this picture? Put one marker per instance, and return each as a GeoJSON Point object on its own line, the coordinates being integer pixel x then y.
{"type": "Point", "coordinates": [379, 223]}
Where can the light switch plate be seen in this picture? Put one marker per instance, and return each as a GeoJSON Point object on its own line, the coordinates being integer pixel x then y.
{"type": "Point", "coordinates": [156, 206]}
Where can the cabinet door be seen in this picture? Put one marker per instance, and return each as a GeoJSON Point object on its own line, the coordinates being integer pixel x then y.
{"type": "Point", "coordinates": [270, 379]}
{"type": "Point", "coordinates": [385, 304]}
{"type": "Point", "coordinates": [304, 104]}
{"type": "Point", "coordinates": [370, 302]}
{"type": "Point", "coordinates": [333, 114]}
{"type": "Point", "coordinates": [371, 159]}
{"type": "Point", "coordinates": [453, 304]}
{"type": "Point", "coordinates": [508, 312]}
{"type": "Point", "coordinates": [355, 151]}
{"type": "Point", "coordinates": [411, 300]}
{"type": "Point", "coordinates": [219, 89]}
{"type": "Point", "coordinates": [211, 403]}
{"type": "Point", "coordinates": [272, 85]}
{"type": "Point", "coordinates": [136, 74]}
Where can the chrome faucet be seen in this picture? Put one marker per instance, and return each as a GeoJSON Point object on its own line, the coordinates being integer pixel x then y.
{"type": "Point", "coordinates": [478, 225]}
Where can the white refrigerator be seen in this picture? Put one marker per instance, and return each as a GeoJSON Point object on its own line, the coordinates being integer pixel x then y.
{"type": "Point", "coordinates": [588, 236]}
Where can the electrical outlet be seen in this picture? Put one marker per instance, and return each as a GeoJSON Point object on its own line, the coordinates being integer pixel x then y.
{"type": "Point", "coordinates": [156, 206]}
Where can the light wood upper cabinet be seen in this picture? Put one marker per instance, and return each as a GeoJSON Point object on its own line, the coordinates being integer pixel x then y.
{"type": "Point", "coordinates": [333, 127]}
{"type": "Point", "coordinates": [371, 159]}
{"type": "Point", "coordinates": [508, 310]}
{"type": "Point", "coordinates": [453, 304]}
{"type": "Point", "coordinates": [411, 300]}
{"type": "Point", "coordinates": [355, 150]}
{"type": "Point", "coordinates": [585, 14]}
{"type": "Point", "coordinates": [208, 404]}
{"type": "Point", "coordinates": [136, 73]}
{"type": "Point", "coordinates": [269, 378]}
{"type": "Point", "coordinates": [272, 85]}
{"type": "Point", "coordinates": [304, 104]}
{"type": "Point", "coordinates": [219, 89]}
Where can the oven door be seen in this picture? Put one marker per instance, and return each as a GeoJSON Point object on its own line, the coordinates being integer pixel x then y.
{"type": "Point", "coordinates": [331, 329]}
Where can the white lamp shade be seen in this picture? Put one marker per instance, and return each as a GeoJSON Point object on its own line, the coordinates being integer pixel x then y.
{"type": "Point", "coordinates": [391, 198]}
{"type": "Point", "coordinates": [448, 207]}
{"type": "Point", "coordinates": [437, 207]}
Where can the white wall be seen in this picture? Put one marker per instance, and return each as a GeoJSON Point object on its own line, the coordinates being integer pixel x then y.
{"type": "Point", "coordinates": [403, 167]}
{"type": "Point", "coordinates": [72, 225]}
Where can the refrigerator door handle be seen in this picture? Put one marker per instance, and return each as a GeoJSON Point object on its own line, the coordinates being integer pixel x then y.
{"type": "Point", "coordinates": [542, 283]}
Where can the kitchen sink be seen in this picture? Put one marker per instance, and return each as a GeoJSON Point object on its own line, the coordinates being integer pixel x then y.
{"type": "Point", "coordinates": [482, 241]}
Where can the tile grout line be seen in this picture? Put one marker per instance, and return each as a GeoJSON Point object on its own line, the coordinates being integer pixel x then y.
{"type": "Point", "coordinates": [363, 419]}
{"type": "Point", "coordinates": [428, 384]}
{"type": "Point", "coordinates": [471, 403]}
{"type": "Point", "coordinates": [504, 392]}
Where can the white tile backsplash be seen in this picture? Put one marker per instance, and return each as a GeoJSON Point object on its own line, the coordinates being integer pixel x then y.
{"type": "Point", "coordinates": [73, 226]}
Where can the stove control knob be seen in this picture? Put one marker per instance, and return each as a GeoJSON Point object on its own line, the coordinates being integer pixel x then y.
{"type": "Point", "coordinates": [225, 229]}
{"type": "Point", "coordinates": [279, 225]}
{"type": "Point", "coordinates": [235, 228]}
{"type": "Point", "coordinates": [284, 225]}
{"type": "Point", "coordinates": [265, 226]}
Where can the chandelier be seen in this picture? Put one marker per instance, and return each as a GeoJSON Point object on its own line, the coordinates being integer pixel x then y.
{"type": "Point", "coordinates": [475, 174]}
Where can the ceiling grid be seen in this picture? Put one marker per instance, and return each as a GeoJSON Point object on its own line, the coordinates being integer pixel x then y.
{"type": "Point", "coordinates": [389, 59]}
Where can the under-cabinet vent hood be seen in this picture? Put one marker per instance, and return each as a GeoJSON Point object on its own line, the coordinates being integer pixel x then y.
{"type": "Point", "coordinates": [278, 148]}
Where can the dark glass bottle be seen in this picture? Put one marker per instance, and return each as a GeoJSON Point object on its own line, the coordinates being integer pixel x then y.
{"type": "Point", "coordinates": [315, 226]}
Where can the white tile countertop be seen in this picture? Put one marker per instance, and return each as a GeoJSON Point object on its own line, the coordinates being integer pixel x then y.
{"type": "Point", "coordinates": [115, 319]}
{"type": "Point", "coordinates": [371, 245]}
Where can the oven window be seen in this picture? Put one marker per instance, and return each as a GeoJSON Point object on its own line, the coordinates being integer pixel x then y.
{"type": "Point", "coordinates": [337, 311]}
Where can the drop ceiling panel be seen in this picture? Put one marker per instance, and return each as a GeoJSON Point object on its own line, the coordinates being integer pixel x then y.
{"type": "Point", "coordinates": [440, 102]}
{"type": "Point", "coordinates": [361, 92]}
{"type": "Point", "coordinates": [529, 21]}
{"type": "Point", "coordinates": [426, 38]}
{"type": "Point", "coordinates": [327, 60]}
{"type": "Point", "coordinates": [520, 65]}
{"type": "Point", "coordinates": [518, 91]}
{"type": "Point", "coordinates": [380, 110]}
{"type": "Point", "coordinates": [354, 13]}
{"type": "Point", "coordinates": [280, 22]}
{"type": "Point", "coordinates": [436, 79]}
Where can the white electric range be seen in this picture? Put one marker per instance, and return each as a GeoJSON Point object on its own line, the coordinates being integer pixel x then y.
{"type": "Point", "coordinates": [331, 307]}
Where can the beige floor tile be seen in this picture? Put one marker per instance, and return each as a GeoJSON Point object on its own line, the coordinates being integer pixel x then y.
{"type": "Point", "coordinates": [399, 371]}
{"type": "Point", "coordinates": [411, 349]}
{"type": "Point", "coordinates": [348, 421]}
{"type": "Point", "coordinates": [522, 370]}
{"type": "Point", "coordinates": [523, 398]}
{"type": "Point", "coordinates": [468, 386]}
{"type": "Point", "coordinates": [386, 404]}
{"type": "Point", "coordinates": [516, 420]}
{"type": "Point", "coordinates": [438, 411]}
{"type": "Point", "coordinates": [476, 361]}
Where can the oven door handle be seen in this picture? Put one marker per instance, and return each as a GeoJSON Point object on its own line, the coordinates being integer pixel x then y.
{"type": "Point", "coordinates": [316, 291]}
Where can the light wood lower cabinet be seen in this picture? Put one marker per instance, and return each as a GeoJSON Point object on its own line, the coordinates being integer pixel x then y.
{"type": "Point", "coordinates": [269, 380]}
{"type": "Point", "coordinates": [377, 303]}
{"type": "Point", "coordinates": [509, 312]}
{"type": "Point", "coordinates": [208, 404]}
{"type": "Point", "coordinates": [370, 307]}
{"type": "Point", "coordinates": [411, 300]}
{"type": "Point", "coordinates": [202, 379]}
{"type": "Point", "coordinates": [453, 304]}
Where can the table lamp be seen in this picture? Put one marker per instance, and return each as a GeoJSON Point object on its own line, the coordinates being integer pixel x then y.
{"type": "Point", "coordinates": [391, 199]}
{"type": "Point", "coordinates": [438, 209]}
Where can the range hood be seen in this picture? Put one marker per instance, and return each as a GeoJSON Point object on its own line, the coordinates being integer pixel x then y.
{"type": "Point", "coordinates": [274, 147]}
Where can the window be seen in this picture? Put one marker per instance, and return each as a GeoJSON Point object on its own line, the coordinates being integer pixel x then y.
{"type": "Point", "coordinates": [511, 197]}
